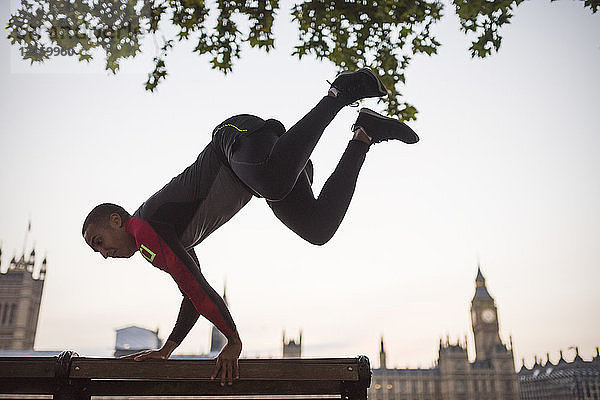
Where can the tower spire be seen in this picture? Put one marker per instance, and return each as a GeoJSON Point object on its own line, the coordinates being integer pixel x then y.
{"type": "Point", "coordinates": [382, 357]}
{"type": "Point", "coordinates": [26, 236]}
{"type": "Point", "coordinates": [42, 274]}
{"type": "Point", "coordinates": [479, 278]}
{"type": "Point", "coordinates": [484, 317]}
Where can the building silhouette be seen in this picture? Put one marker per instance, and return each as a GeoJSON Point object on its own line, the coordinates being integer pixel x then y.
{"type": "Point", "coordinates": [291, 349]}
{"type": "Point", "coordinates": [491, 376]}
{"type": "Point", "coordinates": [574, 380]}
{"type": "Point", "coordinates": [132, 339]}
{"type": "Point", "coordinates": [21, 287]}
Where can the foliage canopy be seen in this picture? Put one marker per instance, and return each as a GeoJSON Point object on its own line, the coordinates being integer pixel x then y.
{"type": "Point", "coordinates": [382, 34]}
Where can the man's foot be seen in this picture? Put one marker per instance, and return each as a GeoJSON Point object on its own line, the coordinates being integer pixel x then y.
{"type": "Point", "coordinates": [380, 128]}
{"type": "Point", "coordinates": [352, 86]}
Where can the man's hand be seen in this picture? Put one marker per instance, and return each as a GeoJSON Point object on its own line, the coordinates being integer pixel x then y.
{"type": "Point", "coordinates": [227, 361]}
{"type": "Point", "coordinates": [162, 354]}
{"type": "Point", "coordinates": [147, 354]}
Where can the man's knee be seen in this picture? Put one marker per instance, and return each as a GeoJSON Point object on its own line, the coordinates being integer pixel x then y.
{"type": "Point", "coordinates": [318, 237]}
{"type": "Point", "coordinates": [319, 241]}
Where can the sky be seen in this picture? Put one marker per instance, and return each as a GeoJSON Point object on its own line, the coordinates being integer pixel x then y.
{"type": "Point", "coordinates": [506, 175]}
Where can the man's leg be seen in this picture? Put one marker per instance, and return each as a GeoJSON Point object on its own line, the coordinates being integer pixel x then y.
{"type": "Point", "coordinates": [286, 156]}
{"type": "Point", "coordinates": [317, 219]}
{"type": "Point", "coordinates": [273, 173]}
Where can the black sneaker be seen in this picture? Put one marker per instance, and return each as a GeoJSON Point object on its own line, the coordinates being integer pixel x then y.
{"type": "Point", "coordinates": [352, 86]}
{"type": "Point", "coordinates": [380, 128]}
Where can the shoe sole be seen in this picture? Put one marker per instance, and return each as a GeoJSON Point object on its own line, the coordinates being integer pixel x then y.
{"type": "Point", "coordinates": [411, 136]}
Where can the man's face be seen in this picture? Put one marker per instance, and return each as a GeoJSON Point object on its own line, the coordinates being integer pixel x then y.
{"type": "Point", "coordinates": [111, 239]}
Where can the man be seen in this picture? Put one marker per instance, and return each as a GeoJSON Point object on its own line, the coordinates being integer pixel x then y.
{"type": "Point", "coordinates": [247, 157]}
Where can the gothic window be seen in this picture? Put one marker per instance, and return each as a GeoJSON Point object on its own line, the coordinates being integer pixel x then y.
{"type": "Point", "coordinates": [13, 309]}
{"type": "Point", "coordinates": [426, 387]}
{"type": "Point", "coordinates": [414, 386]}
{"type": "Point", "coordinates": [401, 387]}
{"type": "Point", "coordinates": [460, 386]}
{"type": "Point", "coordinates": [396, 388]}
{"type": "Point", "coordinates": [475, 386]}
{"type": "Point", "coordinates": [5, 310]}
{"type": "Point", "coordinates": [2, 314]}
{"type": "Point", "coordinates": [373, 395]}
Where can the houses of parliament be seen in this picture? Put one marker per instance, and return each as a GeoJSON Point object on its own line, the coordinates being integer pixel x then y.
{"type": "Point", "coordinates": [491, 376]}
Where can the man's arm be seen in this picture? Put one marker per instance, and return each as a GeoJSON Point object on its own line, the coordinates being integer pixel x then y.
{"type": "Point", "coordinates": [185, 270]}
{"type": "Point", "coordinates": [187, 317]}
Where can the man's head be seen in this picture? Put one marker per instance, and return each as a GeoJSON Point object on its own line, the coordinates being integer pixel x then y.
{"type": "Point", "coordinates": [104, 231]}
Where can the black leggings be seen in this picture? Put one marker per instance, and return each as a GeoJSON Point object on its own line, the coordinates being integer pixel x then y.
{"type": "Point", "coordinates": [274, 167]}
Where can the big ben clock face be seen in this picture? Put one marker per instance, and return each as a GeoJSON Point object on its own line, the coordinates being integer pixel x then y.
{"type": "Point", "coordinates": [488, 315]}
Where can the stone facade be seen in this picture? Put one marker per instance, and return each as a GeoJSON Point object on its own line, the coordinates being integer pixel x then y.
{"type": "Point", "coordinates": [20, 296]}
{"type": "Point", "coordinates": [490, 377]}
{"type": "Point", "coordinates": [291, 348]}
{"type": "Point", "coordinates": [576, 380]}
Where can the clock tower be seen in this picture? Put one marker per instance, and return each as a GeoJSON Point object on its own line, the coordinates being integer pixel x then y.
{"type": "Point", "coordinates": [484, 317]}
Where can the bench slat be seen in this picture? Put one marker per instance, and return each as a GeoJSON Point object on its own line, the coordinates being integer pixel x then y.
{"type": "Point", "coordinates": [27, 367]}
{"type": "Point", "coordinates": [204, 388]}
{"type": "Point", "coordinates": [27, 385]}
{"type": "Point", "coordinates": [250, 370]}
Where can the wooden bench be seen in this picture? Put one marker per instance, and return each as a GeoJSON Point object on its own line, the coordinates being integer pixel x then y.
{"type": "Point", "coordinates": [67, 377]}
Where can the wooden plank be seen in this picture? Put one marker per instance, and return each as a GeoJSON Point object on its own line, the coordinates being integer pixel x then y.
{"type": "Point", "coordinates": [27, 367]}
{"type": "Point", "coordinates": [234, 397]}
{"type": "Point", "coordinates": [203, 388]}
{"type": "Point", "coordinates": [250, 370]}
{"type": "Point", "coordinates": [27, 386]}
